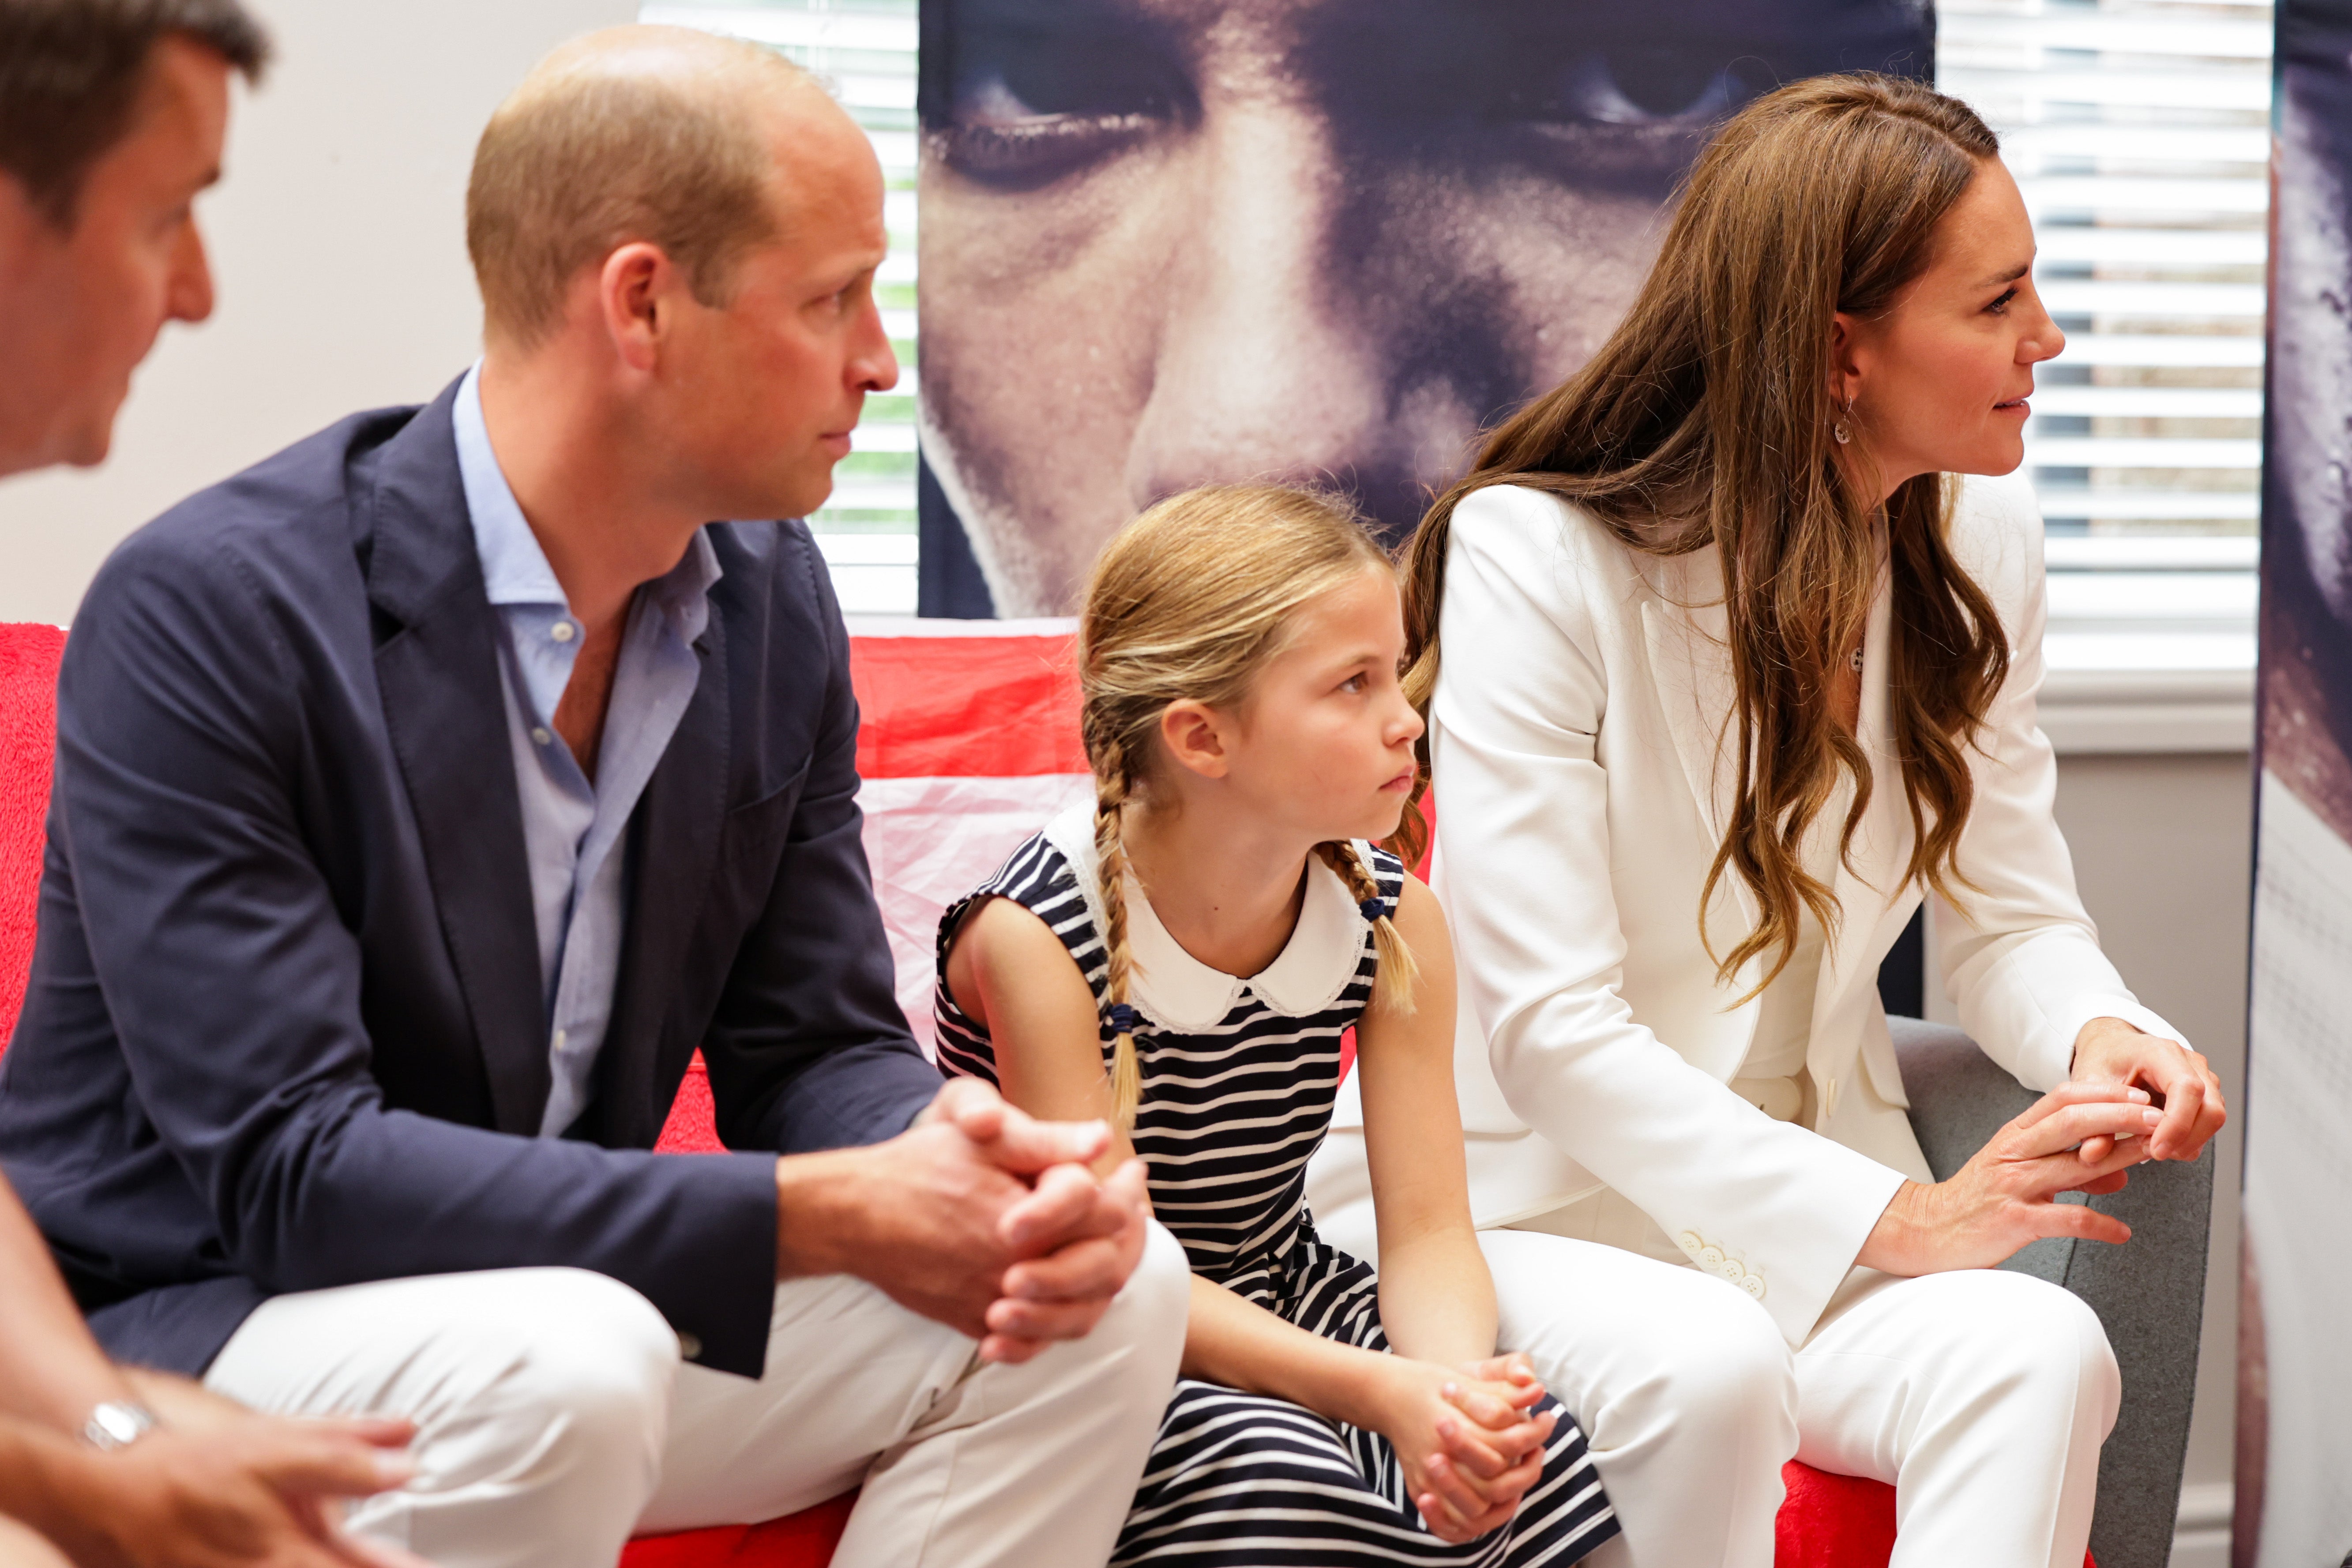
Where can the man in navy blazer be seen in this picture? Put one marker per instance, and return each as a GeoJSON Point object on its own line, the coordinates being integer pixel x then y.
{"type": "Point", "coordinates": [428, 794]}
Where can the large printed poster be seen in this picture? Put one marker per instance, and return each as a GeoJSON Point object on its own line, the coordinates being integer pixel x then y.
{"type": "Point", "coordinates": [2295, 1437]}
{"type": "Point", "coordinates": [1169, 242]}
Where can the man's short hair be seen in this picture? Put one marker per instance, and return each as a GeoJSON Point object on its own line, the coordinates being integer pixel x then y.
{"type": "Point", "coordinates": [71, 72]}
{"type": "Point", "coordinates": [585, 161]}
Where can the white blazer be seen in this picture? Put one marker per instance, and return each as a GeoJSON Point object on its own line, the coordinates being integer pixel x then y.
{"type": "Point", "coordinates": [1584, 760]}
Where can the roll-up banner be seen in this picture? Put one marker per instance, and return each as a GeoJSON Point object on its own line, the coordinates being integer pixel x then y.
{"type": "Point", "coordinates": [2293, 1501]}
{"type": "Point", "coordinates": [1171, 242]}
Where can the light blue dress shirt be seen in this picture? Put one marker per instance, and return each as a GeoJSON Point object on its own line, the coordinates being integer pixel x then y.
{"type": "Point", "coordinates": [574, 832]}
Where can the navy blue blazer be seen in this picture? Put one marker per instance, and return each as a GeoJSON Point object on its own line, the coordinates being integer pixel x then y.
{"type": "Point", "coordinates": [285, 1024]}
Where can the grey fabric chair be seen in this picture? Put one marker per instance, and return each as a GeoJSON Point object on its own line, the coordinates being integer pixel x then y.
{"type": "Point", "coordinates": [2149, 1293]}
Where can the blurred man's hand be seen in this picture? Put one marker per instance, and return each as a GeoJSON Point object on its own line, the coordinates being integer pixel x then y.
{"type": "Point", "coordinates": [241, 1491]}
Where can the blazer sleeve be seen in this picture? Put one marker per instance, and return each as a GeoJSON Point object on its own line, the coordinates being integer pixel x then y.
{"type": "Point", "coordinates": [1527, 854]}
{"type": "Point", "coordinates": [2019, 958]}
{"type": "Point", "coordinates": [231, 980]}
{"type": "Point", "coordinates": [808, 1048]}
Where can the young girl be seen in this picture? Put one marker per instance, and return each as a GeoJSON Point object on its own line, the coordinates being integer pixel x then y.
{"type": "Point", "coordinates": [1184, 958]}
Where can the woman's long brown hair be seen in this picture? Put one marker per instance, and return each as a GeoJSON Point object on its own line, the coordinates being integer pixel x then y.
{"type": "Point", "coordinates": [1707, 419]}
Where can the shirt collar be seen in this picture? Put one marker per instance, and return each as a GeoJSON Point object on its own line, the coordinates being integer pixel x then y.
{"type": "Point", "coordinates": [1176, 990]}
{"type": "Point", "coordinates": [515, 569]}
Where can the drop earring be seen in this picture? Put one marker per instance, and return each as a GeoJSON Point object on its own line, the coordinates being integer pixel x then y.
{"type": "Point", "coordinates": [1839, 429]}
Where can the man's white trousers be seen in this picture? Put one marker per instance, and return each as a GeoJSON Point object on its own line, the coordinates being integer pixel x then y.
{"type": "Point", "coordinates": [557, 1418]}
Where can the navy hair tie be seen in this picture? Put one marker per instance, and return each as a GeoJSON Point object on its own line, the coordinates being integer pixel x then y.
{"type": "Point", "coordinates": [1124, 1019]}
{"type": "Point", "coordinates": [1373, 911]}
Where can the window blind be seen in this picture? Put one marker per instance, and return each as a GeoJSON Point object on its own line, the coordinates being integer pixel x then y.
{"type": "Point", "coordinates": [2139, 133]}
{"type": "Point", "coordinates": [864, 51]}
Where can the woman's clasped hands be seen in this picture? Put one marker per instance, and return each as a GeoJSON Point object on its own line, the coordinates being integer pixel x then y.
{"type": "Point", "coordinates": [1469, 1446]}
{"type": "Point", "coordinates": [2084, 1136]}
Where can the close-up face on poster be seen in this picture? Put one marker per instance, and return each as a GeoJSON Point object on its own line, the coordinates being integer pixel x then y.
{"type": "Point", "coordinates": [1173, 242]}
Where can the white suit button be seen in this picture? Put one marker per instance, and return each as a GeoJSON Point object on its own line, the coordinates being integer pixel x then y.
{"type": "Point", "coordinates": [1721, 1264]}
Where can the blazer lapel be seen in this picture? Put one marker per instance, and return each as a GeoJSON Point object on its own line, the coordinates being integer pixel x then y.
{"type": "Point", "coordinates": [1688, 631]}
{"type": "Point", "coordinates": [1882, 843]}
{"type": "Point", "coordinates": [437, 668]}
{"type": "Point", "coordinates": [674, 846]}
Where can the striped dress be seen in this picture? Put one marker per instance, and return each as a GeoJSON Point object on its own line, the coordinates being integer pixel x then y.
{"type": "Point", "coordinates": [1239, 1078]}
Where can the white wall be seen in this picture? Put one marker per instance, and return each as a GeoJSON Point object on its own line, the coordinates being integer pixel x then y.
{"type": "Point", "coordinates": [340, 248]}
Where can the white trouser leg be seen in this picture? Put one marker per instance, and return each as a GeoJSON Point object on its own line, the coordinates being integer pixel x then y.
{"type": "Point", "coordinates": [962, 1465]}
{"type": "Point", "coordinates": [539, 1394]}
{"type": "Point", "coordinates": [555, 1420]}
{"type": "Point", "coordinates": [1983, 1397]}
{"type": "Point", "coordinates": [1682, 1386]}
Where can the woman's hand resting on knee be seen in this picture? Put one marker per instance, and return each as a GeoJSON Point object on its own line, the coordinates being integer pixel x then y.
{"type": "Point", "coordinates": [1469, 1448]}
{"type": "Point", "coordinates": [2003, 1197]}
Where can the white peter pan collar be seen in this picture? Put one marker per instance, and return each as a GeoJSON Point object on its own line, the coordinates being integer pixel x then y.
{"type": "Point", "coordinates": [1176, 990]}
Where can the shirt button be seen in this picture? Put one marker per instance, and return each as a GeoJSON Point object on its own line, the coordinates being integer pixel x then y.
{"type": "Point", "coordinates": [560, 1036]}
{"type": "Point", "coordinates": [539, 736]}
{"type": "Point", "coordinates": [560, 631]}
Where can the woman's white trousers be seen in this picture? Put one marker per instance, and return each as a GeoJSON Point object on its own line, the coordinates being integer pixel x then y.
{"type": "Point", "coordinates": [1981, 1396]}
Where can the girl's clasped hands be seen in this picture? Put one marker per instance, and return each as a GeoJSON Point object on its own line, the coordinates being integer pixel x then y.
{"type": "Point", "coordinates": [1469, 1445]}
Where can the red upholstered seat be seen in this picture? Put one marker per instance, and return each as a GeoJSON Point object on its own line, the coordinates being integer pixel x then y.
{"type": "Point", "coordinates": [804, 1539]}
{"type": "Point", "coordinates": [28, 735]}
{"type": "Point", "coordinates": [969, 742]}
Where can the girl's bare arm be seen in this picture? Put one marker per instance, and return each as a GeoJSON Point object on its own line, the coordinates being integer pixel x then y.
{"type": "Point", "coordinates": [1437, 1298]}
{"type": "Point", "coordinates": [1012, 975]}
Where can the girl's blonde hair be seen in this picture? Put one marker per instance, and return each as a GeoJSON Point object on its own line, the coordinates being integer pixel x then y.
{"type": "Point", "coordinates": [1191, 601]}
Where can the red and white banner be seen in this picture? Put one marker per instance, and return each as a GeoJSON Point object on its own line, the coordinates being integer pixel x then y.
{"type": "Point", "coordinates": [968, 742]}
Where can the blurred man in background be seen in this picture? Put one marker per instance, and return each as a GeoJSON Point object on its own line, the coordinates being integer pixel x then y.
{"type": "Point", "coordinates": [112, 114]}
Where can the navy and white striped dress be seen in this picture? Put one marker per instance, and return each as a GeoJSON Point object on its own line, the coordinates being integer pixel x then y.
{"type": "Point", "coordinates": [1239, 1078]}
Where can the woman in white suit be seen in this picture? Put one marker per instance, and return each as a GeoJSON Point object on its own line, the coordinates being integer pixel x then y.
{"type": "Point", "coordinates": [1726, 669]}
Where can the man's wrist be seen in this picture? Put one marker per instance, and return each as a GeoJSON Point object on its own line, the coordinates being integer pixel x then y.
{"type": "Point", "coordinates": [117, 1424]}
{"type": "Point", "coordinates": [56, 1488]}
{"type": "Point", "coordinates": [817, 1205]}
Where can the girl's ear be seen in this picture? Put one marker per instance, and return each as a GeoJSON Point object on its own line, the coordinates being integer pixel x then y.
{"type": "Point", "coordinates": [1194, 735]}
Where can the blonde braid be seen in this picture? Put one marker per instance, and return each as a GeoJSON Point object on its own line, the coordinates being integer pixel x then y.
{"type": "Point", "coordinates": [1110, 876]}
{"type": "Point", "coordinates": [1392, 987]}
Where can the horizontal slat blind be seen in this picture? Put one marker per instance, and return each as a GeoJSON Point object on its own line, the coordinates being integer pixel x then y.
{"type": "Point", "coordinates": [864, 51]}
{"type": "Point", "coordinates": [2140, 131]}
